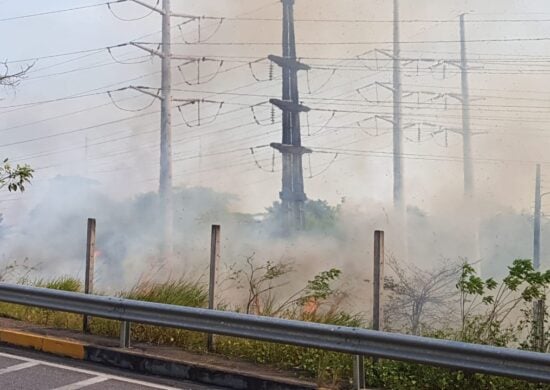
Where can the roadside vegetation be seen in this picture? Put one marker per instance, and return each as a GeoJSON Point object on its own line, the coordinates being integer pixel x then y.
{"type": "Point", "coordinates": [489, 312]}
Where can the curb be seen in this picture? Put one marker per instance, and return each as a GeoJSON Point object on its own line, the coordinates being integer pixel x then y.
{"type": "Point", "coordinates": [150, 364]}
{"type": "Point", "coordinates": [53, 345]}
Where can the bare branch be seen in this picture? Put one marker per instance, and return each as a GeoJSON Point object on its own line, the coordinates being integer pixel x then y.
{"type": "Point", "coordinates": [8, 79]}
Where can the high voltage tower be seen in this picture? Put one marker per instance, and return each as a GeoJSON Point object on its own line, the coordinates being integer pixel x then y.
{"type": "Point", "coordinates": [292, 194]}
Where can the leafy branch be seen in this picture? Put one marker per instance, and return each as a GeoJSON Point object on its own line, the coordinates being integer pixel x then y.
{"type": "Point", "coordinates": [15, 178]}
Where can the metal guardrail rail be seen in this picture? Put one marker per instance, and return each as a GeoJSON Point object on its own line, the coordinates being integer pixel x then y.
{"type": "Point", "coordinates": [519, 364]}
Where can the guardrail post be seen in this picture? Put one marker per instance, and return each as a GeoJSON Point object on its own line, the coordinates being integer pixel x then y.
{"type": "Point", "coordinates": [125, 333]}
{"type": "Point", "coordinates": [89, 274]}
{"type": "Point", "coordinates": [359, 382]}
{"type": "Point", "coordinates": [214, 263]}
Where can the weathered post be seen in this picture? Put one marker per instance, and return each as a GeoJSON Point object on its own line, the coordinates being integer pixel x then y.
{"type": "Point", "coordinates": [377, 316]}
{"type": "Point", "coordinates": [214, 264]}
{"type": "Point", "coordinates": [378, 282]}
{"type": "Point", "coordinates": [89, 274]}
{"type": "Point", "coordinates": [539, 311]}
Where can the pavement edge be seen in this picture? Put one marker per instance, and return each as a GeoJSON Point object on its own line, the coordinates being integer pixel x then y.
{"type": "Point", "coordinates": [149, 364]}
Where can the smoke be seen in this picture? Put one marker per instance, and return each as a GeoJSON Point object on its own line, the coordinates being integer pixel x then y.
{"type": "Point", "coordinates": [114, 179]}
{"type": "Point", "coordinates": [52, 237]}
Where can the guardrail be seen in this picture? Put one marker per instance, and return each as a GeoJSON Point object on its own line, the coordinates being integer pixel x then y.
{"type": "Point", "coordinates": [519, 364]}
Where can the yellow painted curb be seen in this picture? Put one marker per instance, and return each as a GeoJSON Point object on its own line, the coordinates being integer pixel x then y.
{"type": "Point", "coordinates": [47, 344]}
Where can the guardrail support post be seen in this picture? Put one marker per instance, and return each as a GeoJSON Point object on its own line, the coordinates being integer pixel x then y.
{"type": "Point", "coordinates": [89, 274]}
{"type": "Point", "coordinates": [214, 264]}
{"type": "Point", "coordinates": [359, 373]}
{"type": "Point", "coordinates": [125, 333]}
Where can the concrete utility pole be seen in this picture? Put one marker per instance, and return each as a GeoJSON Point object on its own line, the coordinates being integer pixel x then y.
{"type": "Point", "coordinates": [166, 211]}
{"type": "Point", "coordinates": [90, 266]}
{"type": "Point", "coordinates": [536, 227]}
{"type": "Point", "coordinates": [539, 310]}
{"type": "Point", "coordinates": [292, 195]}
{"type": "Point", "coordinates": [165, 184]}
{"type": "Point", "coordinates": [466, 130]}
{"type": "Point", "coordinates": [398, 191]}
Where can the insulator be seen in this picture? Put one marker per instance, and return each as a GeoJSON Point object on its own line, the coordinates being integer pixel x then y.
{"type": "Point", "coordinates": [270, 71]}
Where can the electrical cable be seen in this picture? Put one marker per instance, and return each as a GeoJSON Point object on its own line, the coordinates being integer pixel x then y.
{"type": "Point", "coordinates": [153, 100]}
{"type": "Point", "coordinates": [131, 19]}
{"type": "Point", "coordinates": [60, 11]}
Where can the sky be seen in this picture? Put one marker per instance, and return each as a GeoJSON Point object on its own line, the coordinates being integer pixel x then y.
{"type": "Point", "coordinates": [113, 139]}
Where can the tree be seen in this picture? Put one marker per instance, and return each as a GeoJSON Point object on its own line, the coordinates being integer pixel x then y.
{"type": "Point", "coordinates": [14, 178]}
{"type": "Point", "coordinates": [417, 296]}
{"type": "Point", "coordinates": [264, 281]}
{"type": "Point", "coordinates": [319, 216]}
{"type": "Point", "coordinates": [490, 308]}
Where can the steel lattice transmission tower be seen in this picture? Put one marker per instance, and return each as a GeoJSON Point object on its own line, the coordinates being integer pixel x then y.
{"type": "Point", "coordinates": [292, 195]}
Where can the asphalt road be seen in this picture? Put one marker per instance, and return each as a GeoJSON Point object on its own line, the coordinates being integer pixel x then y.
{"type": "Point", "coordinates": [24, 370]}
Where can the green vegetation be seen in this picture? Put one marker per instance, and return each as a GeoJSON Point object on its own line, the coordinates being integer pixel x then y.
{"type": "Point", "coordinates": [63, 283]}
{"type": "Point", "coordinates": [320, 216]}
{"type": "Point", "coordinates": [15, 178]}
{"type": "Point", "coordinates": [499, 314]}
{"type": "Point", "coordinates": [486, 308]}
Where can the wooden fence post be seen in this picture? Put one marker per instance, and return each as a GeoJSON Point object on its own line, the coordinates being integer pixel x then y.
{"type": "Point", "coordinates": [89, 274]}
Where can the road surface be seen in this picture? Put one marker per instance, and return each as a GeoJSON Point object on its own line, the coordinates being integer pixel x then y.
{"type": "Point", "coordinates": [23, 370]}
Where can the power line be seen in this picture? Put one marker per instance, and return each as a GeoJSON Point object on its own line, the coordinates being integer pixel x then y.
{"type": "Point", "coordinates": [415, 156]}
{"type": "Point", "coordinates": [66, 54]}
{"type": "Point", "coordinates": [354, 21]}
{"type": "Point", "coordinates": [58, 11]}
{"type": "Point", "coordinates": [357, 42]}
{"type": "Point", "coordinates": [79, 130]}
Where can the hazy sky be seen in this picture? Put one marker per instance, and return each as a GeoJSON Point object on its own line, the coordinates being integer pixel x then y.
{"type": "Point", "coordinates": [509, 85]}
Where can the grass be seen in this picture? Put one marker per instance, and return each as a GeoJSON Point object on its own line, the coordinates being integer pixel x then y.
{"type": "Point", "coordinates": [328, 368]}
{"type": "Point", "coordinates": [63, 283]}
{"type": "Point", "coordinates": [174, 292]}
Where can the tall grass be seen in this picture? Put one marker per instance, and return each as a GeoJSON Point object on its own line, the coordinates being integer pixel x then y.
{"type": "Point", "coordinates": [63, 283]}
{"type": "Point", "coordinates": [179, 292]}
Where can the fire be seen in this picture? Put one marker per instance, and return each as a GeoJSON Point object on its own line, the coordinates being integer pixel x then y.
{"type": "Point", "coordinates": [311, 306]}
